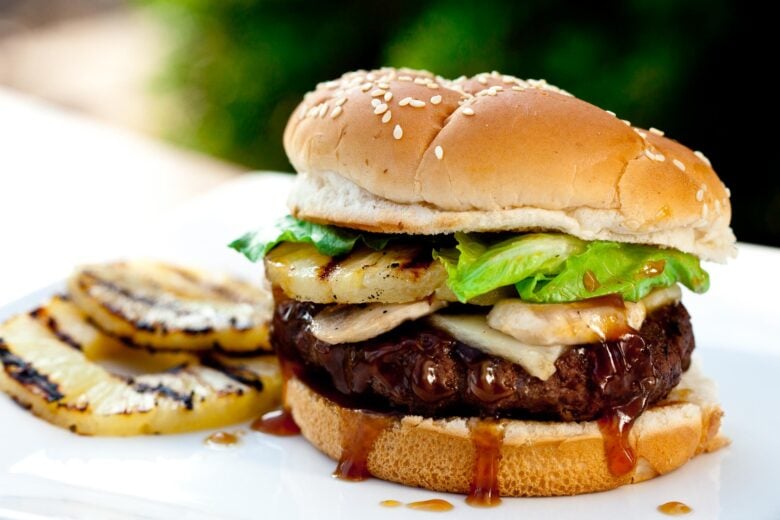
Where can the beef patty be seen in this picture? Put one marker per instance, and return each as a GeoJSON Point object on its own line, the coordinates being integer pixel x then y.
{"type": "Point", "coordinates": [417, 369]}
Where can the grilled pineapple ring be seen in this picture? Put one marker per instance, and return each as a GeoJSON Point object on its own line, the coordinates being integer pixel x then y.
{"type": "Point", "coordinates": [47, 360]}
{"type": "Point", "coordinates": [161, 306]}
{"type": "Point", "coordinates": [397, 274]}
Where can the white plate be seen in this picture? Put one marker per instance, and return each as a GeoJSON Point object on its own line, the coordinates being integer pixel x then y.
{"type": "Point", "coordinates": [48, 472]}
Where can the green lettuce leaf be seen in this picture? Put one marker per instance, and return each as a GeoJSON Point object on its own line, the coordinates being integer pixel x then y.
{"type": "Point", "coordinates": [547, 268]}
{"type": "Point", "coordinates": [630, 270]}
{"type": "Point", "coordinates": [329, 240]}
{"type": "Point", "coordinates": [481, 267]}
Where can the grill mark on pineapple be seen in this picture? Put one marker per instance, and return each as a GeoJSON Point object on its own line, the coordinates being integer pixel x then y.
{"type": "Point", "coordinates": [165, 391]}
{"type": "Point", "coordinates": [326, 270]}
{"type": "Point", "coordinates": [223, 291]}
{"type": "Point", "coordinates": [150, 303]}
{"type": "Point", "coordinates": [128, 342]}
{"type": "Point", "coordinates": [42, 315]}
{"type": "Point", "coordinates": [236, 373]}
{"type": "Point", "coordinates": [28, 376]}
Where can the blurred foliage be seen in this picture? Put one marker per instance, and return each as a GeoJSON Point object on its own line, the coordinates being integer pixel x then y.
{"type": "Point", "coordinates": [241, 66]}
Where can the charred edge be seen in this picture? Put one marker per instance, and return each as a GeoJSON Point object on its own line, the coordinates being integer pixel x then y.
{"type": "Point", "coordinates": [326, 270]}
{"type": "Point", "coordinates": [421, 260]}
{"type": "Point", "coordinates": [26, 375]}
{"type": "Point", "coordinates": [197, 332]}
{"type": "Point", "coordinates": [236, 373]}
{"type": "Point", "coordinates": [129, 343]}
{"type": "Point", "coordinates": [166, 391]}
{"type": "Point", "coordinates": [54, 327]}
{"type": "Point", "coordinates": [21, 404]}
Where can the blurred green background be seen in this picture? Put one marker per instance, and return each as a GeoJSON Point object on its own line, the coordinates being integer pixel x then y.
{"type": "Point", "coordinates": [241, 66]}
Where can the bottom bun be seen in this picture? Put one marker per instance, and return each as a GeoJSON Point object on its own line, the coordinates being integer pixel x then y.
{"type": "Point", "coordinates": [537, 458]}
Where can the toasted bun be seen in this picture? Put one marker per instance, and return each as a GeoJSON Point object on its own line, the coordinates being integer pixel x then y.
{"type": "Point", "coordinates": [496, 153]}
{"type": "Point", "coordinates": [537, 458]}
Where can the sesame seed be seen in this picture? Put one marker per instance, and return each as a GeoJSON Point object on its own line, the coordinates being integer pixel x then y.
{"type": "Point", "coordinates": [313, 111]}
{"type": "Point", "coordinates": [341, 101]}
{"type": "Point", "coordinates": [717, 206]}
{"type": "Point", "coordinates": [422, 81]}
{"type": "Point", "coordinates": [386, 117]}
{"type": "Point", "coordinates": [404, 78]}
{"type": "Point", "coordinates": [641, 134]}
{"type": "Point", "coordinates": [370, 76]}
{"type": "Point", "coordinates": [383, 85]}
{"type": "Point", "coordinates": [656, 131]}
{"type": "Point", "coordinates": [610, 112]}
{"type": "Point", "coordinates": [518, 88]}
{"type": "Point", "coordinates": [433, 85]}
{"type": "Point", "coordinates": [704, 211]}
{"type": "Point", "coordinates": [508, 79]}
{"type": "Point", "coordinates": [398, 132]}
{"type": "Point", "coordinates": [679, 164]}
{"type": "Point", "coordinates": [728, 193]}
{"type": "Point", "coordinates": [482, 79]}
{"type": "Point", "coordinates": [378, 92]}
{"type": "Point", "coordinates": [302, 112]}
{"type": "Point", "coordinates": [335, 112]}
{"type": "Point", "coordinates": [365, 87]}
{"type": "Point", "coordinates": [703, 157]}
{"type": "Point", "coordinates": [627, 122]}
{"type": "Point", "coordinates": [439, 152]}
{"type": "Point", "coordinates": [388, 96]}
{"type": "Point", "coordinates": [375, 103]}
{"type": "Point", "coordinates": [700, 195]}
{"type": "Point", "coordinates": [435, 100]}
{"type": "Point", "coordinates": [323, 109]}
{"type": "Point", "coordinates": [468, 111]}
{"type": "Point", "coordinates": [332, 85]}
{"type": "Point", "coordinates": [416, 103]}
{"type": "Point", "coordinates": [660, 157]}
{"type": "Point", "coordinates": [405, 101]}
{"type": "Point", "coordinates": [380, 109]}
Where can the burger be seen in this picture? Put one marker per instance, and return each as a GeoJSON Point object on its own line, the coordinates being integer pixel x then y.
{"type": "Point", "coordinates": [478, 287]}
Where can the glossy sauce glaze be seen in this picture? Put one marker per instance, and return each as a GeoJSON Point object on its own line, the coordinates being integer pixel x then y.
{"type": "Point", "coordinates": [675, 508]}
{"type": "Point", "coordinates": [590, 281]}
{"type": "Point", "coordinates": [436, 505]}
{"type": "Point", "coordinates": [615, 362]}
{"type": "Point", "coordinates": [279, 422]}
{"type": "Point", "coordinates": [361, 430]}
{"type": "Point", "coordinates": [487, 436]}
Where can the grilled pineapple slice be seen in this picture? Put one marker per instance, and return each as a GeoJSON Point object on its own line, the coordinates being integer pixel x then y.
{"type": "Point", "coordinates": [397, 274]}
{"type": "Point", "coordinates": [51, 372]}
{"type": "Point", "coordinates": [72, 326]}
{"type": "Point", "coordinates": [161, 306]}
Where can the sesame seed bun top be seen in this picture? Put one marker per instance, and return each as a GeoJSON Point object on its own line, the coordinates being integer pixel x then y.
{"type": "Point", "coordinates": [404, 151]}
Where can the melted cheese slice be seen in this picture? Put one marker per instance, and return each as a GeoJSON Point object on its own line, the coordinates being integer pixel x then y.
{"type": "Point", "coordinates": [473, 330]}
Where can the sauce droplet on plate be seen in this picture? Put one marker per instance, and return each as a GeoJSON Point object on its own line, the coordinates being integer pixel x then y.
{"type": "Point", "coordinates": [674, 508]}
{"type": "Point", "coordinates": [222, 439]}
{"type": "Point", "coordinates": [435, 505]}
{"type": "Point", "coordinates": [390, 503]}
